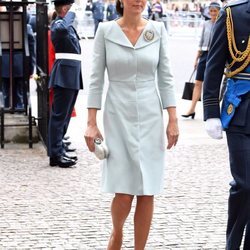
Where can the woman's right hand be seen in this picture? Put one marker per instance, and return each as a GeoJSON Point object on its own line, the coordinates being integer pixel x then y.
{"type": "Point", "coordinates": [196, 63]}
{"type": "Point", "coordinates": [197, 59]}
{"type": "Point", "coordinates": [92, 132]}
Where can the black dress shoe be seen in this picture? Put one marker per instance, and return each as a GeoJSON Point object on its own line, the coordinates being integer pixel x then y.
{"type": "Point", "coordinates": [72, 157]}
{"type": "Point", "coordinates": [68, 149]}
{"type": "Point", "coordinates": [66, 143]}
{"type": "Point", "coordinates": [66, 138]}
{"type": "Point", "coordinates": [61, 161]}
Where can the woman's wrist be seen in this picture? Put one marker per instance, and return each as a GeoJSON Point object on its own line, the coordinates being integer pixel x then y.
{"type": "Point", "coordinates": [173, 119]}
{"type": "Point", "coordinates": [91, 124]}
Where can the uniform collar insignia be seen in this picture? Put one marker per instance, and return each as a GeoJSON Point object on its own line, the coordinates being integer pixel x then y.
{"type": "Point", "coordinates": [230, 109]}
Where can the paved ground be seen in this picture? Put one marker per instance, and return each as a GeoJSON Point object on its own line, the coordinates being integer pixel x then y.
{"type": "Point", "coordinates": [51, 208]}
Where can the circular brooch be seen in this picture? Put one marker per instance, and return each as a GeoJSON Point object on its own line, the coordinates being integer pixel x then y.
{"type": "Point", "coordinates": [149, 35]}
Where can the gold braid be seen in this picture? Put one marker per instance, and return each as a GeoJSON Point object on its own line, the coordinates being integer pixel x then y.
{"type": "Point", "coordinates": [237, 56]}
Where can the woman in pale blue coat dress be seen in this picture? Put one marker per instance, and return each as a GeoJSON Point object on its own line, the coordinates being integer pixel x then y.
{"type": "Point", "coordinates": [134, 52]}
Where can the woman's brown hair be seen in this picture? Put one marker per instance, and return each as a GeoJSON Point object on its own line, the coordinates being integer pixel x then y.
{"type": "Point", "coordinates": [119, 7]}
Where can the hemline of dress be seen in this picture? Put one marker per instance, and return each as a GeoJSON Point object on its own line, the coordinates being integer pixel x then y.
{"type": "Point", "coordinates": [132, 193]}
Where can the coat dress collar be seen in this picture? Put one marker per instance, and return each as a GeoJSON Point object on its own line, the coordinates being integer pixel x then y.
{"type": "Point", "coordinates": [148, 36]}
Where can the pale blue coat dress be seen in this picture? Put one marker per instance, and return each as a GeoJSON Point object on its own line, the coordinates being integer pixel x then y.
{"type": "Point", "coordinates": [140, 87]}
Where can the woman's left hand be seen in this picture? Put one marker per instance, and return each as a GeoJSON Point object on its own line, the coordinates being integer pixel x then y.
{"type": "Point", "coordinates": [92, 133]}
{"type": "Point", "coordinates": [172, 133]}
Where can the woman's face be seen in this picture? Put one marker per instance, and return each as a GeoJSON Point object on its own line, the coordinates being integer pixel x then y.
{"type": "Point", "coordinates": [134, 6]}
{"type": "Point", "coordinates": [213, 13]}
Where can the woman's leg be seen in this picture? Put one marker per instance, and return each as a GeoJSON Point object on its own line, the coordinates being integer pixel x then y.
{"type": "Point", "coordinates": [142, 220]}
{"type": "Point", "coordinates": [120, 208]}
{"type": "Point", "coordinates": [196, 96]}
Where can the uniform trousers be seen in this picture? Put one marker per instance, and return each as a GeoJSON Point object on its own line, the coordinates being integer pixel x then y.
{"type": "Point", "coordinates": [97, 21]}
{"type": "Point", "coordinates": [62, 107]}
{"type": "Point", "coordinates": [239, 194]}
{"type": "Point", "coordinates": [18, 92]}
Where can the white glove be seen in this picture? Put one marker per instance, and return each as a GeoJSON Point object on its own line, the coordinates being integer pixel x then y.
{"type": "Point", "coordinates": [214, 128]}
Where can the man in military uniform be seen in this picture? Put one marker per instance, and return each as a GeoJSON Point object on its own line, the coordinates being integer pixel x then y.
{"type": "Point", "coordinates": [18, 73]}
{"type": "Point", "coordinates": [98, 12]}
{"type": "Point", "coordinates": [65, 79]}
{"type": "Point", "coordinates": [230, 48]}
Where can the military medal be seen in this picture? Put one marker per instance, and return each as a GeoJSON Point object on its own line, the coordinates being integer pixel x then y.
{"type": "Point", "coordinates": [149, 35]}
{"type": "Point", "coordinates": [230, 109]}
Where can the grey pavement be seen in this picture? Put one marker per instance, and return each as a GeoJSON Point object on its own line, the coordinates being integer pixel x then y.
{"type": "Point", "coordinates": [46, 207]}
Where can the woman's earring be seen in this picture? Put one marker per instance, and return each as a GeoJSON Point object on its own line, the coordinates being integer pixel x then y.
{"type": "Point", "coordinates": [121, 4]}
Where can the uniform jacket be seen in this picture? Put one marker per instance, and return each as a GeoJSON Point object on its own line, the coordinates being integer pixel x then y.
{"type": "Point", "coordinates": [66, 73]}
{"type": "Point", "coordinates": [98, 10]}
{"type": "Point", "coordinates": [218, 56]}
{"type": "Point", "coordinates": [18, 70]}
{"type": "Point", "coordinates": [111, 12]}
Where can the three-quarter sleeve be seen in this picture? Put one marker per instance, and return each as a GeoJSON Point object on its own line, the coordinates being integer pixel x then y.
{"type": "Point", "coordinates": [201, 42]}
{"type": "Point", "coordinates": [97, 72]}
{"type": "Point", "coordinates": [164, 72]}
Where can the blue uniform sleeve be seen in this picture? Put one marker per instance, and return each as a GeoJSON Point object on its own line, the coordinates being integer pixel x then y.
{"type": "Point", "coordinates": [62, 24]}
{"type": "Point", "coordinates": [32, 51]}
{"type": "Point", "coordinates": [215, 66]}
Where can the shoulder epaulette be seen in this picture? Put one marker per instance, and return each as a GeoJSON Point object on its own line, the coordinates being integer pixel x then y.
{"type": "Point", "coordinates": [242, 57]}
{"type": "Point", "coordinates": [58, 21]}
{"type": "Point", "coordinates": [236, 2]}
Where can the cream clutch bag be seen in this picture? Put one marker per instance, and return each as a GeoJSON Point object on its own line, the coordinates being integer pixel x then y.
{"type": "Point", "coordinates": [101, 150]}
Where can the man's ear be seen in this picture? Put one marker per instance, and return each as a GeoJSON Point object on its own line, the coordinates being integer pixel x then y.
{"type": "Point", "coordinates": [64, 9]}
